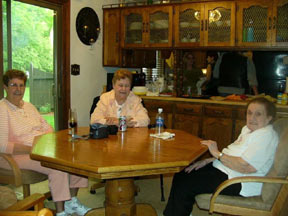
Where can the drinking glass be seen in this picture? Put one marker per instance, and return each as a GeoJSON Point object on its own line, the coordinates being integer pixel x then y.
{"type": "Point", "coordinates": [73, 122]}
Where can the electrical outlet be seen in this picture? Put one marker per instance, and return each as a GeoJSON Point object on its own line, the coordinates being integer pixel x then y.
{"type": "Point", "coordinates": [75, 69]}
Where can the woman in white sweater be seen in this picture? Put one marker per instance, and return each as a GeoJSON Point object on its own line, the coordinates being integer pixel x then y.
{"type": "Point", "coordinates": [252, 154]}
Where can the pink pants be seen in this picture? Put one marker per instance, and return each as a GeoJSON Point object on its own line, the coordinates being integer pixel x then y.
{"type": "Point", "coordinates": [59, 182]}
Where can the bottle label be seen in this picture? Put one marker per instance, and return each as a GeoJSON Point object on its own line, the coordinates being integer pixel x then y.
{"type": "Point", "coordinates": [159, 122]}
{"type": "Point", "coordinates": [279, 98]}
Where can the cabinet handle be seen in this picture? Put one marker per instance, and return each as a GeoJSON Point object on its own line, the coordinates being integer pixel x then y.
{"type": "Point", "coordinates": [274, 22]}
{"type": "Point", "coordinates": [202, 24]}
{"type": "Point", "coordinates": [270, 23]}
{"type": "Point", "coordinates": [219, 112]}
{"type": "Point", "coordinates": [189, 110]}
{"type": "Point", "coordinates": [206, 25]}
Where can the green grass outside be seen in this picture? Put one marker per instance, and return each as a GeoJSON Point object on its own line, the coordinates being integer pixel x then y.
{"type": "Point", "coordinates": [49, 118]}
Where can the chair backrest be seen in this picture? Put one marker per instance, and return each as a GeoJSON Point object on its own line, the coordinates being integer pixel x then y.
{"type": "Point", "coordinates": [94, 104]}
{"type": "Point", "coordinates": [280, 165]}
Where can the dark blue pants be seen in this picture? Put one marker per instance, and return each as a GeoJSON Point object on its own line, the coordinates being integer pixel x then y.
{"type": "Point", "coordinates": [186, 186]}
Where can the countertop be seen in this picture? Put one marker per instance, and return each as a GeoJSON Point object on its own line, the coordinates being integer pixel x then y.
{"type": "Point", "coordinates": [208, 101]}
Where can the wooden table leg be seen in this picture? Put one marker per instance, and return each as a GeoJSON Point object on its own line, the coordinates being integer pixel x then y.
{"type": "Point", "coordinates": [120, 201]}
{"type": "Point", "coordinates": [120, 197]}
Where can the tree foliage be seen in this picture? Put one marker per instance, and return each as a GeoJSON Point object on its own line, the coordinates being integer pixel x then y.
{"type": "Point", "coordinates": [32, 37]}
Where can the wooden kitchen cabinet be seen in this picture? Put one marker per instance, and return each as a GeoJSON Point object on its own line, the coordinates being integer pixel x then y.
{"type": "Point", "coordinates": [111, 40]}
{"type": "Point", "coordinates": [218, 125]}
{"type": "Point", "coordinates": [254, 26]}
{"type": "Point", "coordinates": [205, 24]}
{"type": "Point", "coordinates": [240, 122]}
{"type": "Point", "coordinates": [146, 27]}
{"type": "Point", "coordinates": [221, 122]}
{"type": "Point", "coordinates": [188, 118]}
{"type": "Point", "coordinates": [152, 108]}
{"type": "Point", "coordinates": [187, 25]}
{"type": "Point", "coordinates": [280, 23]}
{"type": "Point", "coordinates": [270, 30]}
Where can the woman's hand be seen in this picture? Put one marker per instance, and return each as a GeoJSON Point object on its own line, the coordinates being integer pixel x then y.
{"type": "Point", "coordinates": [196, 166]}
{"type": "Point", "coordinates": [212, 146]}
{"type": "Point", "coordinates": [112, 121]}
{"type": "Point", "coordinates": [130, 122]}
{"type": "Point", "coordinates": [20, 149]}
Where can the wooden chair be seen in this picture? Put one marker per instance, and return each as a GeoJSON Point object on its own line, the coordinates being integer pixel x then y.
{"type": "Point", "coordinates": [274, 197]}
{"type": "Point", "coordinates": [9, 205]}
{"type": "Point", "coordinates": [18, 177]}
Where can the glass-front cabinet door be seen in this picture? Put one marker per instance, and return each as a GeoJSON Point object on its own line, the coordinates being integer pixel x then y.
{"type": "Point", "coordinates": [133, 26]}
{"type": "Point", "coordinates": [255, 23]}
{"type": "Point", "coordinates": [209, 24]}
{"type": "Point", "coordinates": [280, 23]}
{"type": "Point", "coordinates": [187, 25]}
{"type": "Point", "coordinates": [147, 27]}
{"type": "Point", "coordinates": [219, 24]}
{"type": "Point", "coordinates": [160, 26]}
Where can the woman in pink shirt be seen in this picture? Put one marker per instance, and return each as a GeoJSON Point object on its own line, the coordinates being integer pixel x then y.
{"type": "Point", "coordinates": [20, 123]}
{"type": "Point", "coordinates": [120, 102]}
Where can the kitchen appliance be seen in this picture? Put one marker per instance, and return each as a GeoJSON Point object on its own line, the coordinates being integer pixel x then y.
{"type": "Point", "coordinates": [272, 70]}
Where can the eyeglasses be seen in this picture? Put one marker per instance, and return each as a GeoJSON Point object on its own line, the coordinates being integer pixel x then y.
{"type": "Point", "coordinates": [15, 85]}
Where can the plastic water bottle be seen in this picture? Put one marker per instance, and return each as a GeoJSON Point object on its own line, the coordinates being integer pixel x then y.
{"type": "Point", "coordinates": [159, 121]}
{"type": "Point", "coordinates": [280, 93]}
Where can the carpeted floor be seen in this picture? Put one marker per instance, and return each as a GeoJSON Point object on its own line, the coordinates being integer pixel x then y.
{"type": "Point", "coordinates": [149, 193]}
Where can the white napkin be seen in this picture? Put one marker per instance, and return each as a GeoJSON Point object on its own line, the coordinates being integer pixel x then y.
{"type": "Point", "coordinates": [164, 135]}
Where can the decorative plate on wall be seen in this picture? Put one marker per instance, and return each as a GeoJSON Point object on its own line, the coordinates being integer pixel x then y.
{"type": "Point", "coordinates": [87, 26]}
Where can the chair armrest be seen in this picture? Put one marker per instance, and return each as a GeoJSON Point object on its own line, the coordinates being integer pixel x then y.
{"type": "Point", "coordinates": [236, 180]}
{"type": "Point", "coordinates": [15, 168]}
{"type": "Point", "coordinates": [42, 212]}
{"type": "Point", "coordinates": [35, 200]}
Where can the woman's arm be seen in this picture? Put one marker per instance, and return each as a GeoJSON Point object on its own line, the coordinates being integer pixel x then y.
{"type": "Point", "coordinates": [235, 163]}
{"type": "Point", "coordinates": [98, 116]}
{"type": "Point", "coordinates": [4, 131]}
{"type": "Point", "coordinates": [141, 117]}
{"type": "Point", "coordinates": [21, 149]}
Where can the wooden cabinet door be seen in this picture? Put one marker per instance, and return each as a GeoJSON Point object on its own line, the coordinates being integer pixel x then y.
{"type": "Point", "coordinates": [279, 23]}
{"type": "Point", "coordinates": [152, 108]}
{"type": "Point", "coordinates": [159, 26]}
{"type": "Point", "coordinates": [240, 122]}
{"type": "Point", "coordinates": [219, 130]}
{"type": "Point", "coordinates": [187, 28]}
{"type": "Point", "coordinates": [111, 40]}
{"type": "Point", "coordinates": [188, 117]}
{"type": "Point", "coordinates": [254, 23]}
{"type": "Point", "coordinates": [147, 27]}
{"type": "Point", "coordinates": [133, 27]}
{"type": "Point", "coordinates": [188, 123]}
{"type": "Point", "coordinates": [209, 24]}
{"type": "Point", "coordinates": [219, 24]}
{"type": "Point", "coordinates": [218, 125]}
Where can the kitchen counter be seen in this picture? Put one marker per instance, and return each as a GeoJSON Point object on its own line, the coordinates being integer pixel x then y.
{"type": "Point", "coordinates": [206, 101]}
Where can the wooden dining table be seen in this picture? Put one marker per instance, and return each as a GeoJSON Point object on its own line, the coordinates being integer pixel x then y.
{"type": "Point", "coordinates": [118, 159]}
